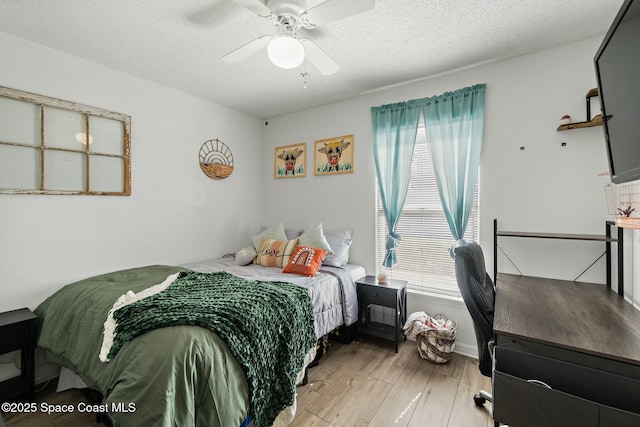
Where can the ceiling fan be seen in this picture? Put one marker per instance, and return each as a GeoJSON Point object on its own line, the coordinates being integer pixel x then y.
{"type": "Point", "coordinates": [285, 49]}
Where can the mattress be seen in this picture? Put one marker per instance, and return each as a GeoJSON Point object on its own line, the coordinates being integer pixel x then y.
{"type": "Point", "coordinates": [332, 290]}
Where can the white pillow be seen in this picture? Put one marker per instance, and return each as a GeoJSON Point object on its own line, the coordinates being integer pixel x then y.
{"type": "Point", "coordinates": [245, 256]}
{"type": "Point", "coordinates": [314, 238]}
{"type": "Point", "coordinates": [276, 233]}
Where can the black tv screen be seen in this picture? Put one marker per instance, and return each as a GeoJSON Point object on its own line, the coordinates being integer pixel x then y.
{"type": "Point", "coordinates": [617, 63]}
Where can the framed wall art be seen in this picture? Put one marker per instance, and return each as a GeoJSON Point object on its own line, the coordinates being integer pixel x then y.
{"type": "Point", "coordinates": [333, 155]}
{"type": "Point", "coordinates": [290, 161]}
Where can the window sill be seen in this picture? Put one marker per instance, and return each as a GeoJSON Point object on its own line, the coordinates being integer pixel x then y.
{"type": "Point", "coordinates": [434, 296]}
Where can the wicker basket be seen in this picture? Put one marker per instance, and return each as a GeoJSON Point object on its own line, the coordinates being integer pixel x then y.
{"type": "Point", "coordinates": [437, 346]}
{"type": "Point", "coordinates": [216, 170]}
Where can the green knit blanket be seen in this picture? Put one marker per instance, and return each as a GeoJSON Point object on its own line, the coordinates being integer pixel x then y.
{"type": "Point", "coordinates": [268, 326]}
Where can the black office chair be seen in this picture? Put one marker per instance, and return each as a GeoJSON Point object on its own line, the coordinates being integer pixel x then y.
{"type": "Point", "coordinates": [479, 295]}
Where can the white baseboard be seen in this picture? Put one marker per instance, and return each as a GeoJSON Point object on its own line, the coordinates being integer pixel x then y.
{"type": "Point", "coordinates": [45, 371]}
{"type": "Point", "coordinates": [8, 370]}
{"type": "Point", "coordinates": [466, 350]}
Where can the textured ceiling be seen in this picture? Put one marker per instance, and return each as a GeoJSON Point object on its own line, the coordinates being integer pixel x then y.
{"type": "Point", "coordinates": [180, 43]}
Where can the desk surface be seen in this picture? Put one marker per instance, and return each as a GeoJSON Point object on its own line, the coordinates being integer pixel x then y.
{"type": "Point", "coordinates": [585, 317]}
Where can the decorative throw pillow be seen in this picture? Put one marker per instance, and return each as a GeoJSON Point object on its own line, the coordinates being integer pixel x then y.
{"type": "Point", "coordinates": [340, 242]}
{"type": "Point", "coordinates": [275, 253]}
{"type": "Point", "coordinates": [276, 232]}
{"type": "Point", "coordinates": [314, 238]}
{"type": "Point", "coordinates": [245, 255]}
{"type": "Point", "coordinates": [305, 261]}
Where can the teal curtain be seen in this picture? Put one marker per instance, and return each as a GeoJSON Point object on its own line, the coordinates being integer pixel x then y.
{"type": "Point", "coordinates": [454, 122]}
{"type": "Point", "coordinates": [394, 136]}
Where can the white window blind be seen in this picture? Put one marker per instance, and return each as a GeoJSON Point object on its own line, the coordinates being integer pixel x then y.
{"type": "Point", "coordinates": [423, 252]}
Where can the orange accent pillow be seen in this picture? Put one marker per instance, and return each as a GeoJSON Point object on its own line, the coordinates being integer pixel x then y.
{"type": "Point", "coordinates": [305, 260]}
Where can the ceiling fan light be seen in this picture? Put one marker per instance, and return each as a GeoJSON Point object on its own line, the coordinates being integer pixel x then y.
{"type": "Point", "coordinates": [285, 51]}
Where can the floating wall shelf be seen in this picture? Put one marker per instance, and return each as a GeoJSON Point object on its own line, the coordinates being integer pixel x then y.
{"type": "Point", "coordinates": [626, 222]}
{"type": "Point", "coordinates": [595, 121]}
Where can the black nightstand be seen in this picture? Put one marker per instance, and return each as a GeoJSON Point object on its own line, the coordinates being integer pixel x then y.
{"type": "Point", "coordinates": [18, 332]}
{"type": "Point", "coordinates": [393, 294]}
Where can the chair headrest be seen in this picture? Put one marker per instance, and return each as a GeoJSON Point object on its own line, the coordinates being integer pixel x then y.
{"type": "Point", "coordinates": [470, 254]}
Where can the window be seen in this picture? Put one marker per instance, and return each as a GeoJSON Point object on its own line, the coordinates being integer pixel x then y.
{"type": "Point", "coordinates": [51, 146]}
{"type": "Point", "coordinates": [423, 252]}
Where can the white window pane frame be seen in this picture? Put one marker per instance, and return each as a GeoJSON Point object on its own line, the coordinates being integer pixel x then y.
{"type": "Point", "coordinates": [65, 148]}
{"type": "Point", "coordinates": [423, 252]}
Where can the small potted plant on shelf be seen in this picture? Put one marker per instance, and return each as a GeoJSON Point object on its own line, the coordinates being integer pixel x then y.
{"type": "Point", "coordinates": [626, 213]}
{"type": "Point", "coordinates": [625, 220]}
{"type": "Point", "coordinates": [565, 120]}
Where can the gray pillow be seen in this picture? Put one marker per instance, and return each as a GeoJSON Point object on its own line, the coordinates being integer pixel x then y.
{"type": "Point", "coordinates": [290, 233]}
{"type": "Point", "coordinates": [340, 242]}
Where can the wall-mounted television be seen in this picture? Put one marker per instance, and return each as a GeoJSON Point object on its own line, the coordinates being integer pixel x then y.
{"type": "Point", "coordinates": [617, 63]}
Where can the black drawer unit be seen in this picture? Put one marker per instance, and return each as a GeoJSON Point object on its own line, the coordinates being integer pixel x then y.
{"type": "Point", "coordinates": [557, 391]}
{"type": "Point", "coordinates": [539, 406]}
{"type": "Point", "coordinates": [18, 332]}
{"type": "Point", "coordinates": [392, 294]}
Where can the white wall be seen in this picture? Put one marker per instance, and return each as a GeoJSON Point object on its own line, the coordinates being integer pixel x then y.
{"type": "Point", "coordinates": [545, 187]}
{"type": "Point", "coordinates": [174, 214]}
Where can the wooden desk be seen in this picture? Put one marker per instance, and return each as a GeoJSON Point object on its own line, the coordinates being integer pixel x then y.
{"type": "Point", "coordinates": [581, 340]}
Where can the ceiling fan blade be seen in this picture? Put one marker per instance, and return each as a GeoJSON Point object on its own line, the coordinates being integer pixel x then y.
{"type": "Point", "coordinates": [333, 10]}
{"type": "Point", "coordinates": [247, 50]}
{"type": "Point", "coordinates": [258, 7]}
{"type": "Point", "coordinates": [323, 62]}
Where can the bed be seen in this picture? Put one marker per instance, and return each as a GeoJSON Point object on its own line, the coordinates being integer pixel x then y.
{"type": "Point", "coordinates": [184, 374]}
{"type": "Point", "coordinates": [332, 290]}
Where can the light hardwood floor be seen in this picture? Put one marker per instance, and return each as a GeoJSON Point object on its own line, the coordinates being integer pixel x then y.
{"type": "Point", "coordinates": [360, 384]}
{"type": "Point", "coordinates": [367, 384]}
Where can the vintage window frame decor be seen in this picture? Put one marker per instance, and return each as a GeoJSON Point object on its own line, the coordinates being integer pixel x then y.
{"type": "Point", "coordinates": [53, 139]}
{"type": "Point", "coordinates": [345, 159]}
{"type": "Point", "coordinates": [300, 163]}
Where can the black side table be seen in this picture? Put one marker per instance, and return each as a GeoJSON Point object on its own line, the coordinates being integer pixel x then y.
{"type": "Point", "coordinates": [18, 332]}
{"type": "Point", "coordinates": [393, 294]}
